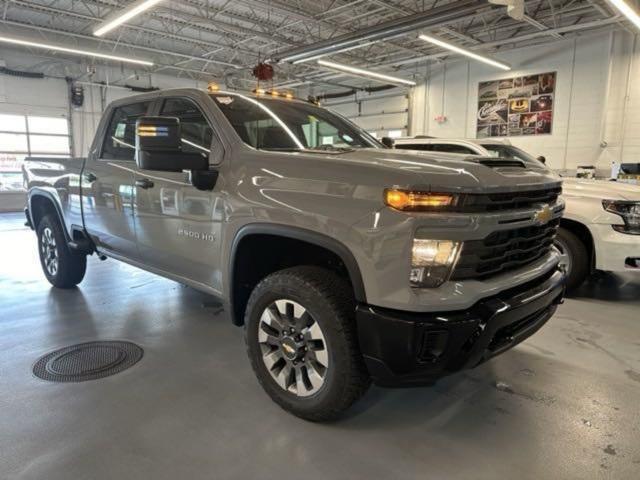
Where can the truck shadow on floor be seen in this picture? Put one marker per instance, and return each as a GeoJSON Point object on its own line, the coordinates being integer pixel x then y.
{"type": "Point", "coordinates": [481, 398]}
{"type": "Point", "coordinates": [609, 286]}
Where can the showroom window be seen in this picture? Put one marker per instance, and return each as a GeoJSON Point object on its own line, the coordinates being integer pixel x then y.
{"type": "Point", "coordinates": [23, 136]}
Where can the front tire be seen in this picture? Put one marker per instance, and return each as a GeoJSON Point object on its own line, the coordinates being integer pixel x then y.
{"type": "Point", "coordinates": [62, 267]}
{"type": "Point", "coordinates": [574, 256]}
{"type": "Point", "coordinates": [301, 340]}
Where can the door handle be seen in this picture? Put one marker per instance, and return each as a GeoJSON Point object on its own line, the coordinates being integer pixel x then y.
{"type": "Point", "coordinates": [144, 183]}
{"type": "Point", "coordinates": [90, 177]}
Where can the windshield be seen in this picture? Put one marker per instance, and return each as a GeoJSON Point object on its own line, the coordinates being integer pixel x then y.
{"type": "Point", "coordinates": [509, 151]}
{"type": "Point", "coordinates": [271, 124]}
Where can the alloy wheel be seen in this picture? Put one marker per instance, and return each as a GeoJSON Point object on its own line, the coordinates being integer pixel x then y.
{"type": "Point", "coordinates": [294, 348]}
{"type": "Point", "coordinates": [49, 251]}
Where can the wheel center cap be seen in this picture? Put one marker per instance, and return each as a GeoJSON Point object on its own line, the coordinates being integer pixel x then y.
{"type": "Point", "coordinates": [290, 348]}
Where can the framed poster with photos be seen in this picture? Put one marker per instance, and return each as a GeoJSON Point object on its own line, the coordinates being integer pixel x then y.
{"type": "Point", "coordinates": [520, 106]}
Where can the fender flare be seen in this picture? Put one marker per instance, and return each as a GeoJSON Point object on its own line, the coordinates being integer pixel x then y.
{"type": "Point", "coordinates": [296, 233]}
{"type": "Point", "coordinates": [39, 192]}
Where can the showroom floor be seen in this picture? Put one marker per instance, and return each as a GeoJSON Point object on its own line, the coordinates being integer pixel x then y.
{"type": "Point", "coordinates": [565, 404]}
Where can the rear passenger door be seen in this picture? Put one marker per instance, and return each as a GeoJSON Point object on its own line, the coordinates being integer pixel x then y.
{"type": "Point", "coordinates": [107, 183]}
{"type": "Point", "coordinates": [177, 225]}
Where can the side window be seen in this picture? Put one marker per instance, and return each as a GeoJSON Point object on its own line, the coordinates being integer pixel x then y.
{"type": "Point", "coordinates": [414, 146]}
{"type": "Point", "coordinates": [196, 132]}
{"type": "Point", "coordinates": [120, 139]}
{"type": "Point", "coordinates": [449, 148]}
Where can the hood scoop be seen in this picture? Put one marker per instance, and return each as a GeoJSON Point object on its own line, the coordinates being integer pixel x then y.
{"type": "Point", "coordinates": [501, 162]}
{"type": "Point", "coordinates": [497, 162]}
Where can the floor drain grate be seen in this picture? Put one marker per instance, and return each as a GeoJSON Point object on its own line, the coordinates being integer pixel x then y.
{"type": "Point", "coordinates": [87, 361]}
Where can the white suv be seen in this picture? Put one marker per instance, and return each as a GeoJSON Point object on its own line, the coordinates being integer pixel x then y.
{"type": "Point", "coordinates": [600, 228]}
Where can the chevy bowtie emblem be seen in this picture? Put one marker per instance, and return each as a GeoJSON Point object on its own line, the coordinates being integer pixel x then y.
{"type": "Point", "coordinates": [543, 215]}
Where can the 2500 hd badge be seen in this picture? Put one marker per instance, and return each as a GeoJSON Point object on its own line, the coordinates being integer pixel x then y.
{"type": "Point", "coordinates": [205, 237]}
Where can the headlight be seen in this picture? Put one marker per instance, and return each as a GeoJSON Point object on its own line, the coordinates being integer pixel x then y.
{"type": "Point", "coordinates": [410, 201]}
{"type": "Point", "coordinates": [432, 261]}
{"type": "Point", "coordinates": [630, 213]}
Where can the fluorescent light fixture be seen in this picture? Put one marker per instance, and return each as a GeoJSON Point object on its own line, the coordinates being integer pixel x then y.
{"type": "Point", "coordinates": [133, 10]}
{"type": "Point", "coordinates": [315, 57]}
{"type": "Point", "coordinates": [74, 51]}
{"type": "Point", "coordinates": [627, 10]}
{"type": "Point", "coordinates": [366, 73]}
{"type": "Point", "coordinates": [465, 52]}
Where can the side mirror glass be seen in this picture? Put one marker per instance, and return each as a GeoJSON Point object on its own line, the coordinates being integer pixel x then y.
{"type": "Point", "coordinates": [387, 142]}
{"type": "Point", "coordinates": [159, 147]}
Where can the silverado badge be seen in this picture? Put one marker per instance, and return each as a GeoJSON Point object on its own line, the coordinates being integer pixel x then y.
{"type": "Point", "coordinates": [543, 215]}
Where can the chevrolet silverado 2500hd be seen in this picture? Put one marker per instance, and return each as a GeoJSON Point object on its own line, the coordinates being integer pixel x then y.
{"type": "Point", "coordinates": [345, 261]}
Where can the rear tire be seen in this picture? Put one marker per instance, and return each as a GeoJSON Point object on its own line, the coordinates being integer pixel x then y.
{"type": "Point", "coordinates": [62, 267]}
{"type": "Point", "coordinates": [575, 257]}
{"type": "Point", "coordinates": [301, 340]}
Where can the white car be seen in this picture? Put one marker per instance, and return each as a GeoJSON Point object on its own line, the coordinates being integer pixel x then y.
{"type": "Point", "coordinates": [600, 229]}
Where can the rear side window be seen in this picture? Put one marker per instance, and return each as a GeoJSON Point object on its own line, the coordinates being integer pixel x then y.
{"type": "Point", "coordinates": [120, 139]}
{"type": "Point", "coordinates": [413, 146]}
{"type": "Point", "coordinates": [194, 128]}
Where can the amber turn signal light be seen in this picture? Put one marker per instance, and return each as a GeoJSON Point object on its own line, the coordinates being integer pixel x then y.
{"type": "Point", "coordinates": [416, 201]}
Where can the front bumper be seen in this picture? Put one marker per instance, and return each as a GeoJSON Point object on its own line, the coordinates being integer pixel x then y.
{"type": "Point", "coordinates": [407, 348]}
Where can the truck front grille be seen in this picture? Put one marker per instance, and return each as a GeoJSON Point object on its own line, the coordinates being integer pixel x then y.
{"type": "Point", "coordinates": [509, 200]}
{"type": "Point", "coordinates": [504, 250]}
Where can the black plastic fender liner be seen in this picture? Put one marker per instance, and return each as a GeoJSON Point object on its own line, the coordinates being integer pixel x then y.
{"type": "Point", "coordinates": [296, 233]}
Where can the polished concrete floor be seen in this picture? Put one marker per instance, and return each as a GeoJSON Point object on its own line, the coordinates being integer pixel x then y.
{"type": "Point", "coordinates": [565, 404]}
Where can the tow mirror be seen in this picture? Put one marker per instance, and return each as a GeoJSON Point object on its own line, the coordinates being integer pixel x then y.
{"type": "Point", "coordinates": [159, 147]}
{"type": "Point", "coordinates": [387, 142]}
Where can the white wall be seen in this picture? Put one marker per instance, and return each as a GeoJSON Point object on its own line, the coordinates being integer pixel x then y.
{"type": "Point", "coordinates": [596, 111]}
{"type": "Point", "coordinates": [377, 112]}
{"type": "Point", "coordinates": [581, 65]}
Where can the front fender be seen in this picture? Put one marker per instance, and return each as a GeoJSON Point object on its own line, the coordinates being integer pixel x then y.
{"type": "Point", "coordinates": [309, 236]}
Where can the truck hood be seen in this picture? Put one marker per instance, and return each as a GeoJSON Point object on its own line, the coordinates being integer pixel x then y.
{"type": "Point", "coordinates": [431, 171]}
{"type": "Point", "coordinates": [600, 189]}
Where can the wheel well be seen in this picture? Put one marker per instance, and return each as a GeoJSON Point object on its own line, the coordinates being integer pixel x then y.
{"type": "Point", "coordinates": [583, 234]}
{"type": "Point", "coordinates": [258, 255]}
{"type": "Point", "coordinates": [39, 206]}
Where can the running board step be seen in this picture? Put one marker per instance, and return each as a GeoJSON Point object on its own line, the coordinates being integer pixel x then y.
{"type": "Point", "coordinates": [81, 246]}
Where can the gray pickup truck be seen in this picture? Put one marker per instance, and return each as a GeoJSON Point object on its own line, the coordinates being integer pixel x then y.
{"type": "Point", "coordinates": [345, 261]}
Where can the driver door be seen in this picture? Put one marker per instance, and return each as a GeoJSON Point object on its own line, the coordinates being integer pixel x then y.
{"type": "Point", "coordinates": [177, 225]}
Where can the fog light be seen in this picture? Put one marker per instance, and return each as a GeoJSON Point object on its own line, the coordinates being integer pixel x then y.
{"type": "Point", "coordinates": [432, 261]}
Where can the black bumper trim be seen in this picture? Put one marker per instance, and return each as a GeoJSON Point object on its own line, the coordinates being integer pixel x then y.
{"type": "Point", "coordinates": [407, 348]}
